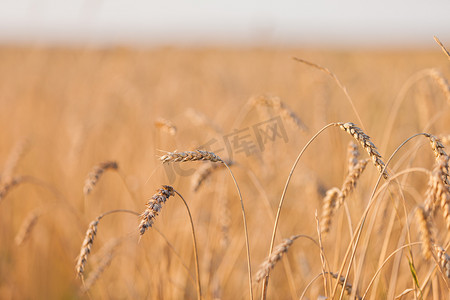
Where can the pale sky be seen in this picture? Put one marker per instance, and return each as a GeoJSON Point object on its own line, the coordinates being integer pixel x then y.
{"type": "Point", "coordinates": [342, 23]}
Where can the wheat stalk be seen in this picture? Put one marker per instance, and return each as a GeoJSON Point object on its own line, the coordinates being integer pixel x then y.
{"type": "Point", "coordinates": [153, 207]}
{"type": "Point", "coordinates": [96, 173]}
{"type": "Point", "coordinates": [424, 224]}
{"type": "Point", "coordinates": [89, 237]}
{"type": "Point", "coordinates": [367, 144]}
{"type": "Point", "coordinates": [206, 155]}
{"type": "Point", "coordinates": [279, 106]}
{"type": "Point", "coordinates": [166, 125]}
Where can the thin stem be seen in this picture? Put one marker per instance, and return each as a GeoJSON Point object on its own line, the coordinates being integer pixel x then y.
{"type": "Point", "coordinates": [247, 243]}
{"type": "Point", "coordinates": [194, 241]}
{"type": "Point", "coordinates": [384, 263]}
{"type": "Point", "coordinates": [275, 226]}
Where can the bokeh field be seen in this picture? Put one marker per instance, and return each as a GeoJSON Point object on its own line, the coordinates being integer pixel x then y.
{"type": "Point", "coordinates": [65, 111]}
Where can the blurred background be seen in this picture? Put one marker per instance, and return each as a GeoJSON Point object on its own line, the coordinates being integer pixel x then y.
{"type": "Point", "coordinates": [322, 23]}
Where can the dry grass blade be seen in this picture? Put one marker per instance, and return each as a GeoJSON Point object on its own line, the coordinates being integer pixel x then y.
{"type": "Point", "coordinates": [96, 173]}
{"type": "Point", "coordinates": [443, 259]}
{"type": "Point", "coordinates": [8, 185]}
{"type": "Point", "coordinates": [423, 221]}
{"type": "Point", "coordinates": [190, 156]}
{"type": "Point", "coordinates": [27, 226]}
{"type": "Point", "coordinates": [328, 208]}
{"type": "Point", "coordinates": [166, 125]}
{"type": "Point", "coordinates": [279, 106]}
{"type": "Point", "coordinates": [154, 206]}
{"type": "Point", "coordinates": [204, 172]}
{"type": "Point", "coordinates": [275, 257]}
{"type": "Point", "coordinates": [367, 144]}
{"type": "Point", "coordinates": [442, 47]}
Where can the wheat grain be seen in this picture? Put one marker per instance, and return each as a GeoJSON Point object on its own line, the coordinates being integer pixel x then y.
{"type": "Point", "coordinates": [367, 144]}
{"type": "Point", "coordinates": [153, 207]}
{"type": "Point", "coordinates": [279, 106]}
{"type": "Point", "coordinates": [166, 125]}
{"type": "Point", "coordinates": [275, 257]}
{"type": "Point", "coordinates": [96, 173]}
{"type": "Point", "coordinates": [426, 236]}
{"type": "Point", "coordinates": [328, 208]}
{"type": "Point", "coordinates": [190, 156]}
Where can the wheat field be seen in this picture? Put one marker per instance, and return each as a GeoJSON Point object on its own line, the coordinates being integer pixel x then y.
{"type": "Point", "coordinates": [132, 173]}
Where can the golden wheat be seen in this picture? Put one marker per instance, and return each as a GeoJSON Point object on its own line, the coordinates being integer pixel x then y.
{"type": "Point", "coordinates": [153, 207]}
{"type": "Point", "coordinates": [166, 125]}
{"type": "Point", "coordinates": [96, 173]}
{"type": "Point", "coordinates": [367, 144]}
{"type": "Point", "coordinates": [424, 224]}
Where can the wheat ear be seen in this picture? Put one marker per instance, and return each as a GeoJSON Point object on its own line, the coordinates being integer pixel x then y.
{"type": "Point", "coordinates": [279, 106]}
{"type": "Point", "coordinates": [443, 259]}
{"type": "Point", "coordinates": [352, 178]}
{"type": "Point", "coordinates": [153, 207]}
{"type": "Point", "coordinates": [352, 154]}
{"type": "Point", "coordinates": [270, 262]}
{"type": "Point", "coordinates": [442, 82]}
{"type": "Point", "coordinates": [367, 144]}
{"type": "Point", "coordinates": [328, 208]}
{"type": "Point", "coordinates": [27, 226]}
{"type": "Point", "coordinates": [348, 286]}
{"type": "Point", "coordinates": [89, 239]}
{"type": "Point", "coordinates": [6, 186]}
{"type": "Point", "coordinates": [204, 172]}
{"type": "Point", "coordinates": [166, 125]}
{"type": "Point", "coordinates": [96, 173]}
{"type": "Point", "coordinates": [423, 221]}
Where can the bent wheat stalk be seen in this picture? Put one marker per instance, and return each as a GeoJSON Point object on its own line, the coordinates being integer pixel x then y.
{"type": "Point", "coordinates": [89, 240]}
{"type": "Point", "coordinates": [154, 206]}
{"type": "Point", "coordinates": [207, 155]}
